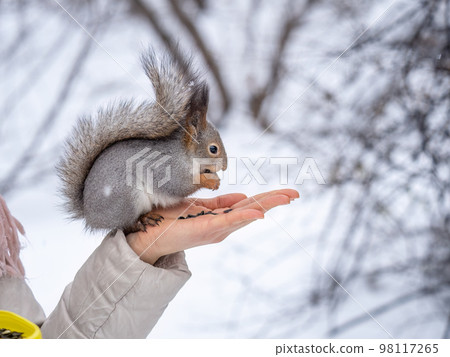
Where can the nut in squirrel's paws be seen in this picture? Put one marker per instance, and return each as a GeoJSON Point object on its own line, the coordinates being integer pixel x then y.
{"type": "Point", "coordinates": [210, 180]}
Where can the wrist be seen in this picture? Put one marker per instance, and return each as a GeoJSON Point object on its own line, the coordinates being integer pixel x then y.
{"type": "Point", "coordinates": [146, 250]}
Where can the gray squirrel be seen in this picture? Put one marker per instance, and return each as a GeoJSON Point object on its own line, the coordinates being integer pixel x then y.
{"type": "Point", "coordinates": [113, 158]}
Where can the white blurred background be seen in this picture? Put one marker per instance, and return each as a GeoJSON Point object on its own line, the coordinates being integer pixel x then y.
{"type": "Point", "coordinates": [360, 86]}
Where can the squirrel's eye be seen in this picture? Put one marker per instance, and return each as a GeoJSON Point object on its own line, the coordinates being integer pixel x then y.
{"type": "Point", "coordinates": [213, 149]}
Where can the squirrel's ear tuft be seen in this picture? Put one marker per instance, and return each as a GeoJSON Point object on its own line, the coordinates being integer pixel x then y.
{"type": "Point", "coordinates": [199, 105]}
{"type": "Point", "coordinates": [174, 80]}
{"type": "Point", "coordinates": [196, 117]}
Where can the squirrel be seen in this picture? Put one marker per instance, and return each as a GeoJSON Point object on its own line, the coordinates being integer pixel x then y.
{"type": "Point", "coordinates": [131, 158]}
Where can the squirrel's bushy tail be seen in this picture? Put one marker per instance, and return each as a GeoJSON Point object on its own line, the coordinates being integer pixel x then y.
{"type": "Point", "coordinates": [173, 82]}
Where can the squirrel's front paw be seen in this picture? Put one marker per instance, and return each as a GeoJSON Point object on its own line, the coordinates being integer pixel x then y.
{"type": "Point", "coordinates": [210, 180]}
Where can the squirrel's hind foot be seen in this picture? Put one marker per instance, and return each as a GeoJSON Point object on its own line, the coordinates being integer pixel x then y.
{"type": "Point", "coordinates": [151, 219]}
{"type": "Point", "coordinates": [147, 219]}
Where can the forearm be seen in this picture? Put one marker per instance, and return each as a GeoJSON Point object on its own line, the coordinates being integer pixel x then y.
{"type": "Point", "coordinates": [116, 295]}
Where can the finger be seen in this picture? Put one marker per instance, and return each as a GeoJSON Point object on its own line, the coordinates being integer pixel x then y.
{"type": "Point", "coordinates": [262, 205]}
{"type": "Point", "coordinates": [241, 225]}
{"type": "Point", "coordinates": [207, 228]}
{"type": "Point", "coordinates": [287, 192]}
{"type": "Point", "coordinates": [268, 203]}
{"type": "Point", "coordinates": [221, 201]}
{"type": "Point", "coordinates": [293, 194]}
{"type": "Point", "coordinates": [224, 221]}
{"type": "Point", "coordinates": [224, 233]}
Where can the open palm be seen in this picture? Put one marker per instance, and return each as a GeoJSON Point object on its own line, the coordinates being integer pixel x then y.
{"type": "Point", "coordinates": [232, 212]}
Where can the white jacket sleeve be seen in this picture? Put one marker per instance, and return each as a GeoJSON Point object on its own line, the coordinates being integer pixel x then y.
{"type": "Point", "coordinates": [115, 294]}
{"type": "Point", "coordinates": [16, 296]}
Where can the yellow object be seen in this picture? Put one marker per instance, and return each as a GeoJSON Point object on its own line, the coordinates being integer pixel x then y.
{"type": "Point", "coordinates": [14, 322]}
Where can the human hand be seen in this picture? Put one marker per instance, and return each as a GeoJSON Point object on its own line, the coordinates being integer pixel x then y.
{"type": "Point", "coordinates": [174, 235]}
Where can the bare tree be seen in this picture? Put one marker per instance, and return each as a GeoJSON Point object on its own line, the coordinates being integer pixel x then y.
{"type": "Point", "coordinates": [388, 149]}
{"type": "Point", "coordinates": [379, 120]}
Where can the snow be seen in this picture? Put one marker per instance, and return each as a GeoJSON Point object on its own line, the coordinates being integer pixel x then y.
{"type": "Point", "coordinates": [255, 283]}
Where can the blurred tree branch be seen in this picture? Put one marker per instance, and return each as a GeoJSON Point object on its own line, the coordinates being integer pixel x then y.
{"type": "Point", "coordinates": [379, 121]}
{"type": "Point", "coordinates": [206, 53]}
{"type": "Point", "coordinates": [144, 9]}
{"type": "Point", "coordinates": [291, 22]}
{"type": "Point", "coordinates": [8, 183]}
{"type": "Point", "coordinates": [383, 308]}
